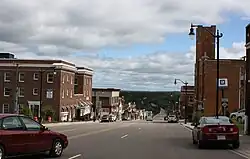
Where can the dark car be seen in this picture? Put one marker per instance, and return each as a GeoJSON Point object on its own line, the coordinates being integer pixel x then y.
{"type": "Point", "coordinates": [105, 118]}
{"type": "Point", "coordinates": [215, 130]}
{"type": "Point", "coordinates": [21, 135]}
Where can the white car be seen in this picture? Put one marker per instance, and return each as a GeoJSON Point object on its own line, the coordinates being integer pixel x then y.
{"type": "Point", "coordinates": [172, 119]}
{"type": "Point", "coordinates": [239, 115]}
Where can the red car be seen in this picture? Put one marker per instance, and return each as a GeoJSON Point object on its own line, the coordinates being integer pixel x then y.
{"type": "Point", "coordinates": [215, 130]}
{"type": "Point", "coordinates": [21, 135]}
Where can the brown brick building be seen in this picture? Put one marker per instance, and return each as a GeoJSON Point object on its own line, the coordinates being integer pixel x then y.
{"type": "Point", "coordinates": [60, 86]}
{"type": "Point", "coordinates": [190, 101]}
{"type": "Point", "coordinates": [205, 74]}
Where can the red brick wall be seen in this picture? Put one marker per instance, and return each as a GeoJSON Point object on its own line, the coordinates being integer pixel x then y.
{"type": "Point", "coordinates": [229, 69]}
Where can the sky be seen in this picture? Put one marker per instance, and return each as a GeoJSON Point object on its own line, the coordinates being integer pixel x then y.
{"type": "Point", "coordinates": [130, 44]}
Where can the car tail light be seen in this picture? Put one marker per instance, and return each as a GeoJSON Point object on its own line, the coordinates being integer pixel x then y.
{"type": "Point", "coordinates": [234, 129]}
{"type": "Point", "coordinates": [206, 129]}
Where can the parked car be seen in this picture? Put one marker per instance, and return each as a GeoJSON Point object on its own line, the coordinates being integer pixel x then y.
{"type": "Point", "coordinates": [215, 130]}
{"type": "Point", "coordinates": [172, 119]}
{"type": "Point", "coordinates": [112, 118]}
{"type": "Point", "coordinates": [239, 115]}
{"type": "Point", "coordinates": [105, 118]}
{"type": "Point", "coordinates": [23, 136]}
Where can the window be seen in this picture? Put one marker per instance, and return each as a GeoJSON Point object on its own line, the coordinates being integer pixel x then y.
{"type": "Point", "coordinates": [67, 92]}
{"type": "Point", "coordinates": [35, 91]}
{"type": "Point", "coordinates": [7, 77]}
{"type": "Point", "coordinates": [6, 108]}
{"type": "Point", "coordinates": [7, 91]}
{"type": "Point", "coordinates": [21, 92]}
{"type": "Point", "coordinates": [62, 78]}
{"type": "Point", "coordinates": [71, 93]}
{"type": "Point", "coordinates": [71, 80]}
{"type": "Point", "coordinates": [67, 78]}
{"type": "Point", "coordinates": [21, 77]}
{"type": "Point", "coordinates": [30, 124]}
{"type": "Point", "coordinates": [62, 93]}
{"type": "Point", "coordinates": [50, 77]}
{"type": "Point", "coordinates": [12, 123]}
{"type": "Point", "coordinates": [35, 76]}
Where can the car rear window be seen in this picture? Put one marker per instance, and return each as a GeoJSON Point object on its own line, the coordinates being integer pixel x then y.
{"type": "Point", "coordinates": [171, 116]}
{"type": "Point", "coordinates": [216, 121]}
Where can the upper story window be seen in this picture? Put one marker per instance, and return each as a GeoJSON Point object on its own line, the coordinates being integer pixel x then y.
{"type": "Point", "coordinates": [62, 93]}
{"type": "Point", "coordinates": [62, 78]}
{"type": "Point", "coordinates": [21, 92]}
{"type": "Point", "coordinates": [35, 76]}
{"type": "Point", "coordinates": [50, 78]}
{"type": "Point", "coordinates": [67, 78]}
{"type": "Point", "coordinates": [35, 91]}
{"type": "Point", "coordinates": [21, 77]}
{"type": "Point", "coordinates": [7, 77]}
{"type": "Point", "coordinates": [71, 79]}
{"type": "Point", "coordinates": [7, 91]}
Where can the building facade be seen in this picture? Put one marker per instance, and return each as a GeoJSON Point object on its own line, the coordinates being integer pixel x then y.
{"type": "Point", "coordinates": [187, 98]}
{"type": "Point", "coordinates": [106, 101]}
{"type": "Point", "coordinates": [43, 86]}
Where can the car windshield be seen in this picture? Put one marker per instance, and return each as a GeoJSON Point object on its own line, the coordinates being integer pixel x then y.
{"type": "Point", "coordinates": [223, 120]}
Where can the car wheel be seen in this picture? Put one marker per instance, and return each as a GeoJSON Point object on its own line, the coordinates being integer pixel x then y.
{"type": "Point", "coordinates": [236, 144]}
{"type": "Point", "coordinates": [200, 144]}
{"type": "Point", "coordinates": [2, 152]}
{"type": "Point", "coordinates": [57, 148]}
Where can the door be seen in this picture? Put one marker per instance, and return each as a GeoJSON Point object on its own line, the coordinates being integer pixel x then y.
{"type": "Point", "coordinates": [39, 140]}
{"type": "Point", "coordinates": [14, 136]}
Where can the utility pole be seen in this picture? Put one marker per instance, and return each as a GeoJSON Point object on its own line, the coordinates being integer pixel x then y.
{"type": "Point", "coordinates": [16, 96]}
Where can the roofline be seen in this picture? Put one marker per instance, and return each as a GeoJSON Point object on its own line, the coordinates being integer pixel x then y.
{"type": "Point", "coordinates": [107, 89]}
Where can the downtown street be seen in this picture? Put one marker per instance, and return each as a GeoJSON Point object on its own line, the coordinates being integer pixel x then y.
{"type": "Point", "coordinates": [134, 140]}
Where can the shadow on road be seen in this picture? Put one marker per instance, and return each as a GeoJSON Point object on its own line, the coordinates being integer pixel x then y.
{"type": "Point", "coordinates": [186, 143]}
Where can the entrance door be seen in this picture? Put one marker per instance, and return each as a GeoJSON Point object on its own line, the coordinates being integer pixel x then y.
{"type": "Point", "coordinates": [35, 110]}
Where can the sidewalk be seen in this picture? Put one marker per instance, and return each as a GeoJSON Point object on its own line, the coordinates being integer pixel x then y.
{"type": "Point", "coordinates": [244, 149]}
{"type": "Point", "coordinates": [67, 123]}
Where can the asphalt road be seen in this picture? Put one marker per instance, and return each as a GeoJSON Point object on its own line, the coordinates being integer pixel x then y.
{"type": "Point", "coordinates": [135, 140]}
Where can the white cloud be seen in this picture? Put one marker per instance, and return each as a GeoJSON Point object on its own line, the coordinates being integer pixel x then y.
{"type": "Point", "coordinates": [60, 28]}
{"type": "Point", "coordinates": [155, 71]}
{"type": "Point", "coordinates": [89, 25]}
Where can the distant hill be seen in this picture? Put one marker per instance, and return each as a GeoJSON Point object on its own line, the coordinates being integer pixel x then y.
{"type": "Point", "coordinates": [151, 100]}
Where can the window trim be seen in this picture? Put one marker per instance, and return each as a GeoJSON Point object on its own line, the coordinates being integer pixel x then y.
{"type": "Point", "coordinates": [19, 90]}
{"type": "Point", "coordinates": [34, 77]}
{"type": "Point", "coordinates": [6, 104]}
{"type": "Point", "coordinates": [5, 75]}
{"type": "Point", "coordinates": [19, 76]}
{"type": "Point", "coordinates": [5, 91]}
{"type": "Point", "coordinates": [48, 74]}
{"type": "Point", "coordinates": [33, 91]}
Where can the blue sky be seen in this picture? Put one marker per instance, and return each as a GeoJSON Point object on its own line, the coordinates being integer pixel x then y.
{"type": "Point", "coordinates": [233, 30]}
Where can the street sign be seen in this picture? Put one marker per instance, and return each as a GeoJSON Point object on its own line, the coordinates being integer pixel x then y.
{"type": "Point", "coordinates": [224, 102]}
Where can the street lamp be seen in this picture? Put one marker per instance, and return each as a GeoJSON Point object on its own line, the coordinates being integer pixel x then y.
{"type": "Point", "coordinates": [218, 35]}
{"type": "Point", "coordinates": [41, 90]}
{"type": "Point", "coordinates": [186, 102]}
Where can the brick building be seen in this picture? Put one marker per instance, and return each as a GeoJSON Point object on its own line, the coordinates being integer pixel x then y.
{"type": "Point", "coordinates": [59, 86]}
{"type": "Point", "coordinates": [205, 74]}
{"type": "Point", "coordinates": [190, 101]}
{"type": "Point", "coordinates": [106, 101]}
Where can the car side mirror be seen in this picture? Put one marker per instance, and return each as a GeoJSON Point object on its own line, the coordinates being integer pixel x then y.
{"type": "Point", "coordinates": [44, 128]}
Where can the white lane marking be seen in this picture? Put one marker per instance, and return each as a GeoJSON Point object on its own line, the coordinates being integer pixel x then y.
{"type": "Point", "coordinates": [67, 130]}
{"type": "Point", "coordinates": [124, 136]}
{"type": "Point", "coordinates": [73, 157]}
{"type": "Point", "coordinates": [233, 151]}
{"type": "Point", "coordinates": [98, 131]}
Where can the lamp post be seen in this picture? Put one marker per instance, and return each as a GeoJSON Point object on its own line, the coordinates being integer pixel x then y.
{"type": "Point", "coordinates": [217, 36]}
{"type": "Point", "coordinates": [186, 102]}
{"type": "Point", "coordinates": [41, 90]}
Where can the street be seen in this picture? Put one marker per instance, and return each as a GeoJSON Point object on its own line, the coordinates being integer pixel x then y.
{"type": "Point", "coordinates": [133, 140]}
